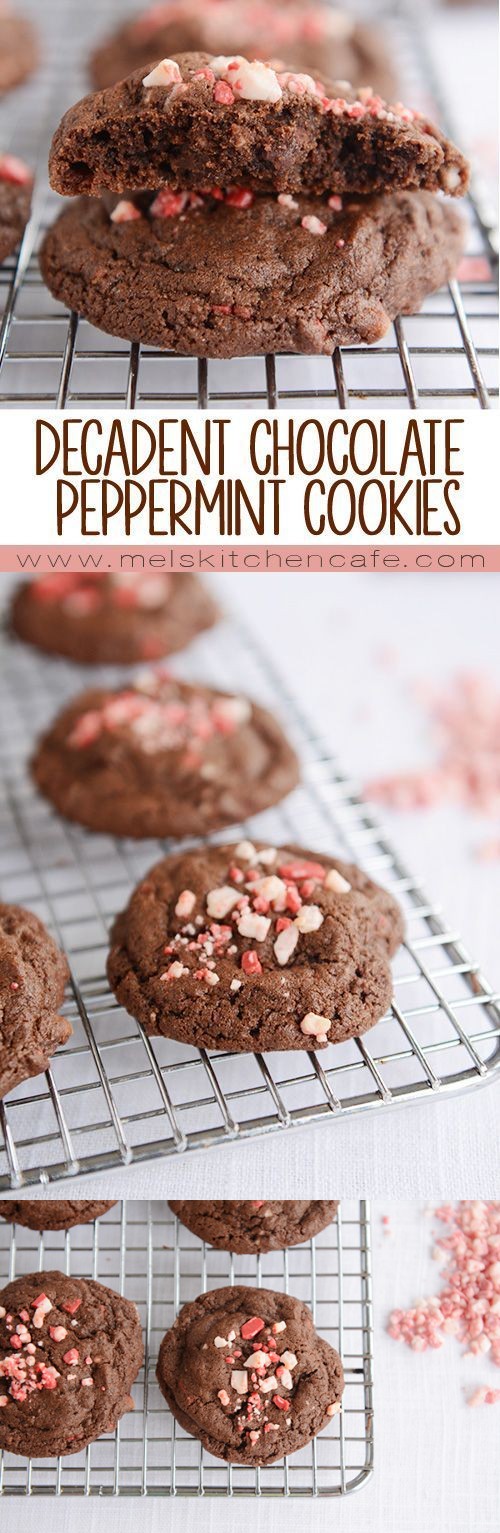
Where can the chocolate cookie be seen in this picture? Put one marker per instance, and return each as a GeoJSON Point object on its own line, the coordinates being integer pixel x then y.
{"type": "Point", "coordinates": [313, 37]}
{"type": "Point", "coordinates": [258, 1225]}
{"type": "Point", "coordinates": [98, 619]}
{"type": "Point", "coordinates": [33, 975]}
{"type": "Point", "coordinates": [245, 1372]}
{"type": "Point", "coordinates": [246, 276]}
{"type": "Point", "coordinates": [19, 54]}
{"type": "Point", "coordinates": [163, 758]}
{"type": "Point", "coordinates": [70, 1350]}
{"type": "Point", "coordinates": [199, 121]}
{"type": "Point", "coordinates": [247, 947]}
{"type": "Point", "coordinates": [16, 186]}
{"type": "Point", "coordinates": [53, 1214]}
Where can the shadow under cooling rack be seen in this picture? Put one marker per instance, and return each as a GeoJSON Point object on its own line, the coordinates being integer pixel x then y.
{"type": "Point", "coordinates": [446, 353]}
{"type": "Point", "coordinates": [114, 1096]}
{"type": "Point", "coordinates": [144, 1252]}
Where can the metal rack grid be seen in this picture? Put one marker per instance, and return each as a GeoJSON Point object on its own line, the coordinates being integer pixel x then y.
{"type": "Point", "coordinates": [446, 354]}
{"type": "Point", "coordinates": [114, 1096]}
{"type": "Point", "coordinates": [143, 1251]}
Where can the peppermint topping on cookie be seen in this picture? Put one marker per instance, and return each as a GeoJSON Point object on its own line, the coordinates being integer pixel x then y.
{"type": "Point", "coordinates": [82, 593]}
{"type": "Point", "coordinates": [273, 911]}
{"type": "Point", "coordinates": [249, 81]}
{"type": "Point", "coordinates": [258, 1372]}
{"type": "Point", "coordinates": [156, 716]}
{"type": "Point", "coordinates": [14, 170]}
{"type": "Point", "coordinates": [24, 1370]}
{"type": "Point", "coordinates": [125, 213]}
{"type": "Point", "coordinates": [165, 73]}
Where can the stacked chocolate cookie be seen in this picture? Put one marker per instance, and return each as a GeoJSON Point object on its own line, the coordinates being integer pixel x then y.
{"type": "Point", "coordinates": [232, 208]}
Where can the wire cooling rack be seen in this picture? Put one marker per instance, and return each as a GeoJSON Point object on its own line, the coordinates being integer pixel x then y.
{"type": "Point", "coordinates": [140, 1249]}
{"type": "Point", "coordinates": [447, 353]}
{"type": "Point", "coordinates": [114, 1096]}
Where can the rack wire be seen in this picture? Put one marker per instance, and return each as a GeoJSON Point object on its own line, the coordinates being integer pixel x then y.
{"type": "Point", "coordinates": [446, 354]}
{"type": "Point", "coordinates": [114, 1096]}
{"type": "Point", "coordinates": [140, 1249]}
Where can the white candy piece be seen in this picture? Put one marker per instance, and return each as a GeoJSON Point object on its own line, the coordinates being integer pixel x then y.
{"type": "Point", "coordinates": [233, 710]}
{"type": "Point", "coordinates": [299, 85]}
{"type": "Point", "coordinates": [165, 73]}
{"type": "Point", "coordinates": [289, 1359]}
{"type": "Point", "coordinates": [236, 984]}
{"type": "Point", "coordinates": [265, 1385]}
{"type": "Point", "coordinates": [245, 851]}
{"type": "Point", "coordinates": [185, 904]}
{"type": "Point", "coordinates": [272, 888]}
{"type": "Point", "coordinates": [221, 901]}
{"type": "Point", "coordinates": [239, 1381]}
{"type": "Point", "coordinates": [220, 1341]}
{"type": "Point", "coordinates": [259, 1359]}
{"type": "Point", "coordinates": [309, 918]}
{"type": "Point", "coordinates": [451, 178]}
{"type": "Point", "coordinates": [335, 881]}
{"type": "Point", "coordinates": [315, 1026]}
{"type": "Point", "coordinates": [268, 855]}
{"type": "Point", "coordinates": [251, 81]}
{"type": "Point", "coordinates": [124, 213]}
{"type": "Point", "coordinates": [286, 943]}
{"type": "Point", "coordinates": [286, 1379]}
{"type": "Point", "coordinates": [252, 925]}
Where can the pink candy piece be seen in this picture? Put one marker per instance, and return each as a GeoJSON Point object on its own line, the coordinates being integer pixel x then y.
{"type": "Point", "coordinates": [14, 170]}
{"type": "Point", "coordinates": [250, 962]}
{"type": "Point", "coordinates": [468, 1305]}
{"type": "Point", "coordinates": [466, 764]}
{"type": "Point", "coordinates": [168, 204]}
{"type": "Point", "coordinates": [125, 213]}
{"type": "Point", "coordinates": [312, 224]}
{"type": "Point", "coordinates": [252, 1327]}
{"type": "Point", "coordinates": [223, 94]}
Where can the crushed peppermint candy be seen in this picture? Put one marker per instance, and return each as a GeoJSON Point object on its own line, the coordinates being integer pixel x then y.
{"type": "Point", "coordinates": [466, 766]}
{"type": "Point", "coordinates": [125, 213]}
{"type": "Point", "coordinates": [313, 224]}
{"type": "Point", "coordinates": [268, 900]}
{"type": "Point", "coordinates": [257, 1372]}
{"type": "Point", "coordinates": [83, 593]}
{"type": "Point", "coordinates": [165, 73]}
{"type": "Point", "coordinates": [157, 716]}
{"type": "Point", "coordinates": [14, 170]}
{"type": "Point", "coordinates": [23, 1367]}
{"type": "Point", "coordinates": [468, 1304]}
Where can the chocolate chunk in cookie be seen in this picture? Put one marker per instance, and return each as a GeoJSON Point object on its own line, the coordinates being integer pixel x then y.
{"type": "Point", "coordinates": [16, 186]}
{"type": "Point", "coordinates": [54, 1214]}
{"type": "Point", "coordinates": [197, 121]}
{"type": "Point", "coordinates": [33, 975]}
{"type": "Point", "coordinates": [315, 38]}
{"type": "Point", "coordinates": [19, 53]}
{"type": "Point", "coordinates": [163, 758]}
{"type": "Point", "coordinates": [101, 619]}
{"type": "Point", "coordinates": [248, 947]}
{"type": "Point", "coordinates": [259, 1224]}
{"type": "Point", "coordinates": [70, 1350]}
{"type": "Point", "coordinates": [246, 275]}
{"type": "Point", "coordinates": [244, 1370]}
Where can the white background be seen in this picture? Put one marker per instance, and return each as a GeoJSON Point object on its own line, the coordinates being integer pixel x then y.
{"type": "Point", "coordinates": [436, 1459]}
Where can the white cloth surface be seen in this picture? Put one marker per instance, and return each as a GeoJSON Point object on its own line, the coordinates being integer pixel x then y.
{"type": "Point", "coordinates": [436, 1461]}
{"type": "Point", "coordinates": [352, 645]}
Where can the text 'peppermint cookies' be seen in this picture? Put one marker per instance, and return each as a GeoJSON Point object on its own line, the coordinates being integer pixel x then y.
{"type": "Point", "coordinates": [101, 619]}
{"type": "Point", "coordinates": [33, 975]}
{"type": "Point", "coordinates": [245, 1372]}
{"type": "Point", "coordinates": [163, 758]}
{"type": "Point", "coordinates": [312, 37]}
{"type": "Point", "coordinates": [16, 185]}
{"type": "Point", "coordinates": [250, 948]}
{"type": "Point", "coordinates": [197, 121]}
{"type": "Point", "coordinates": [51, 1214]}
{"type": "Point", "coordinates": [255, 1225]}
{"type": "Point", "coordinates": [70, 1350]}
